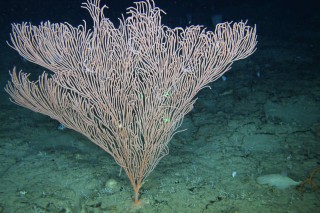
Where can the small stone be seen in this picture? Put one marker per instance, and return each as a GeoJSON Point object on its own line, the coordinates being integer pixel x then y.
{"type": "Point", "coordinates": [112, 185]}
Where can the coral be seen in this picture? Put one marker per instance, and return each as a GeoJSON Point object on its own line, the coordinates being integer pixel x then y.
{"type": "Point", "coordinates": [309, 182]}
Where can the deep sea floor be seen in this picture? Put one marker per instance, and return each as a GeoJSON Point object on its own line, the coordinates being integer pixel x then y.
{"type": "Point", "coordinates": [263, 119]}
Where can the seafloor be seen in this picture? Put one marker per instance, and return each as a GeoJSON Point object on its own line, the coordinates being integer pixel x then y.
{"type": "Point", "coordinates": [263, 119]}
